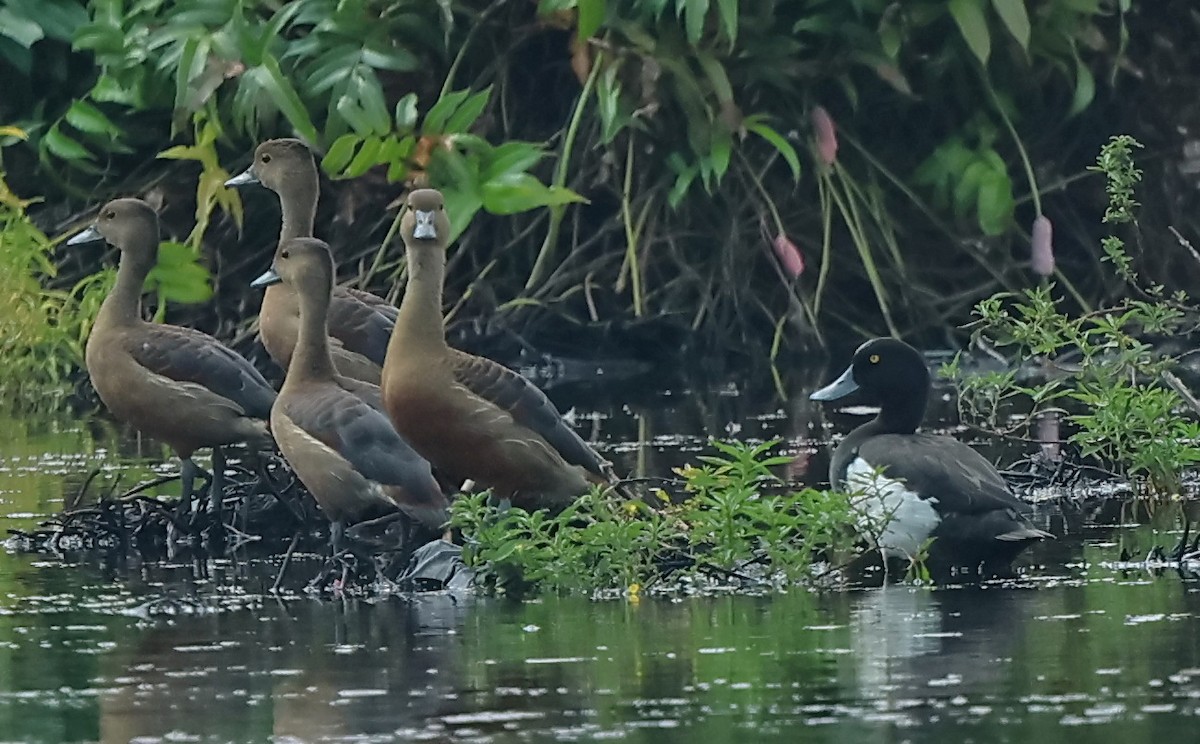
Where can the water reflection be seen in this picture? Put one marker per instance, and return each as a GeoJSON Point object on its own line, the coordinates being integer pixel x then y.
{"type": "Point", "coordinates": [95, 651]}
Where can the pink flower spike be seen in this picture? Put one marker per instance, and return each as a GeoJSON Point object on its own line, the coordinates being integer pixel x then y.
{"type": "Point", "coordinates": [789, 256]}
{"type": "Point", "coordinates": [1042, 245]}
{"type": "Point", "coordinates": [826, 134]}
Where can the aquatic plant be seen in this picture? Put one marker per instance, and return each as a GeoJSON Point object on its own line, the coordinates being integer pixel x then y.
{"type": "Point", "coordinates": [1104, 370]}
{"type": "Point", "coordinates": [738, 524]}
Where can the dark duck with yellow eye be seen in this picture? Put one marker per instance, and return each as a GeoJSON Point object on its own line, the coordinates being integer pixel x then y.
{"type": "Point", "coordinates": [928, 485]}
{"type": "Point", "coordinates": [360, 323]}
{"type": "Point", "coordinates": [469, 416]}
{"type": "Point", "coordinates": [332, 430]}
{"type": "Point", "coordinates": [178, 385]}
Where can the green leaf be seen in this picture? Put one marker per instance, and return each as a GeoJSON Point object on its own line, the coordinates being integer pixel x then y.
{"type": "Point", "coordinates": [1085, 87]}
{"type": "Point", "coordinates": [692, 12]}
{"type": "Point", "coordinates": [755, 124]}
{"type": "Point", "coordinates": [20, 29]}
{"type": "Point", "coordinates": [729, 18]}
{"type": "Point", "coordinates": [591, 15]}
{"type": "Point", "coordinates": [435, 118]}
{"type": "Point", "coordinates": [511, 157]}
{"type": "Point", "coordinates": [968, 14]}
{"type": "Point", "coordinates": [87, 118]}
{"type": "Point", "coordinates": [521, 192]}
{"type": "Point", "coordinates": [64, 147]}
{"type": "Point", "coordinates": [340, 153]}
{"type": "Point", "coordinates": [396, 59]}
{"type": "Point", "coordinates": [406, 113]}
{"type": "Point", "coordinates": [1015, 18]}
{"type": "Point", "coordinates": [995, 203]}
{"type": "Point", "coordinates": [288, 100]}
{"type": "Point", "coordinates": [462, 119]}
{"type": "Point", "coordinates": [366, 159]}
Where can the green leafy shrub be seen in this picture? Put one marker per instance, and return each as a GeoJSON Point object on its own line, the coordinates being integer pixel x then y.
{"type": "Point", "coordinates": [1106, 375]}
{"type": "Point", "coordinates": [737, 522]}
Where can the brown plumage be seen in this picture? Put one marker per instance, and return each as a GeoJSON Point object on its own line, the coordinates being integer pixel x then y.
{"type": "Point", "coordinates": [359, 322]}
{"type": "Point", "coordinates": [333, 430]}
{"type": "Point", "coordinates": [178, 385]}
{"type": "Point", "coordinates": [470, 416]}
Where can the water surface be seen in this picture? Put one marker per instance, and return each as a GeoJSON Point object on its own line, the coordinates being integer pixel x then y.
{"type": "Point", "coordinates": [1080, 647]}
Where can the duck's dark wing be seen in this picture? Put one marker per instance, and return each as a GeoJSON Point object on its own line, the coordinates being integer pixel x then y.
{"type": "Point", "coordinates": [362, 435]}
{"type": "Point", "coordinates": [375, 302]}
{"type": "Point", "coordinates": [362, 322]}
{"type": "Point", "coordinates": [939, 467]}
{"type": "Point", "coordinates": [188, 355]}
{"type": "Point", "coordinates": [529, 407]}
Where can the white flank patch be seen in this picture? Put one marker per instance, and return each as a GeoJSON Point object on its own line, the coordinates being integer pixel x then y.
{"type": "Point", "coordinates": [897, 519]}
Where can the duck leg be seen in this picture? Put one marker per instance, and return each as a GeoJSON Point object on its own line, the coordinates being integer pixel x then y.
{"type": "Point", "coordinates": [187, 476]}
{"type": "Point", "coordinates": [216, 488]}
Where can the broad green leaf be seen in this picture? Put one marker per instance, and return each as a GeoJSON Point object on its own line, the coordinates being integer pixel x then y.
{"type": "Point", "coordinates": [340, 152]}
{"type": "Point", "coordinates": [967, 183]}
{"type": "Point", "coordinates": [511, 157]}
{"type": "Point", "coordinates": [692, 12]}
{"type": "Point", "coordinates": [591, 15]}
{"type": "Point", "coordinates": [972, 23]}
{"type": "Point", "coordinates": [288, 100]}
{"type": "Point", "coordinates": [64, 147]}
{"type": "Point", "coordinates": [1016, 19]}
{"type": "Point", "coordinates": [397, 59]}
{"type": "Point", "coordinates": [370, 98]}
{"type": "Point", "coordinates": [755, 124]}
{"type": "Point", "coordinates": [366, 158]}
{"type": "Point", "coordinates": [58, 19]}
{"type": "Point", "coordinates": [466, 114]}
{"type": "Point", "coordinates": [20, 29]}
{"type": "Point", "coordinates": [439, 113]}
{"type": "Point", "coordinates": [87, 118]}
{"type": "Point", "coordinates": [521, 192]}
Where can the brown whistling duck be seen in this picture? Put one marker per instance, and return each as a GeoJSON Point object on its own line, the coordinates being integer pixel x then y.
{"type": "Point", "coordinates": [336, 438]}
{"type": "Point", "coordinates": [470, 416]}
{"type": "Point", "coordinates": [176, 384]}
{"type": "Point", "coordinates": [359, 322]}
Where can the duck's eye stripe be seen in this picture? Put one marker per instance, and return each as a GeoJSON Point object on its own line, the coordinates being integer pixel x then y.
{"type": "Point", "coordinates": [874, 359]}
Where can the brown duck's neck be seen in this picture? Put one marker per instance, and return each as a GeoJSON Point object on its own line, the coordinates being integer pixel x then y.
{"type": "Point", "coordinates": [419, 322]}
{"type": "Point", "coordinates": [122, 307]}
{"type": "Point", "coordinates": [298, 204]}
{"type": "Point", "coordinates": [311, 361]}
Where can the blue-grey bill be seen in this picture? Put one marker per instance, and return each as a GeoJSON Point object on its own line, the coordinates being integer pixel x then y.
{"type": "Point", "coordinates": [839, 388]}
{"type": "Point", "coordinates": [245, 179]}
{"type": "Point", "coordinates": [90, 235]}
{"type": "Point", "coordinates": [266, 279]}
{"type": "Point", "coordinates": [424, 228]}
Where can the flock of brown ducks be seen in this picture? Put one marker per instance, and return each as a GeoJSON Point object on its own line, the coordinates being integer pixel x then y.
{"type": "Point", "coordinates": [379, 417]}
{"type": "Point", "coordinates": [377, 414]}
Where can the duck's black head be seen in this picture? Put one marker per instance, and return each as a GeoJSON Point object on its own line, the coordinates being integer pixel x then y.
{"type": "Point", "coordinates": [887, 373]}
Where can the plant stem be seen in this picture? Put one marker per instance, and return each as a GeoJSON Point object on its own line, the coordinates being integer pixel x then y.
{"type": "Point", "coordinates": [560, 178]}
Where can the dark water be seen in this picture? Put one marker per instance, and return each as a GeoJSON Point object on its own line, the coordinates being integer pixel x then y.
{"type": "Point", "coordinates": [1080, 648]}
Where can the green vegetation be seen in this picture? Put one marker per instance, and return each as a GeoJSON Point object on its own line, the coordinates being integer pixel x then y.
{"type": "Point", "coordinates": [1101, 370]}
{"type": "Point", "coordinates": [739, 525]}
{"type": "Point", "coordinates": [604, 159]}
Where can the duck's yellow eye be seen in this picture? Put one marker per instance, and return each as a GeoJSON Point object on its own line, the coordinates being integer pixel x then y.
{"type": "Point", "coordinates": [874, 359]}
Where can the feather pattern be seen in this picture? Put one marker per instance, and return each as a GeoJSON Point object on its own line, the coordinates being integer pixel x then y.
{"type": "Point", "coordinates": [187, 355]}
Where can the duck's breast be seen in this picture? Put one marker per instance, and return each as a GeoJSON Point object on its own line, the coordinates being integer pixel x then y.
{"type": "Point", "coordinates": [898, 517]}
